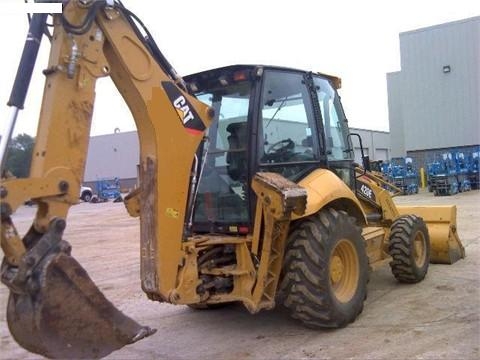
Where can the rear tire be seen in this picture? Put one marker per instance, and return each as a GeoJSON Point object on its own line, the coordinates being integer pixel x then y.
{"type": "Point", "coordinates": [409, 246]}
{"type": "Point", "coordinates": [325, 271]}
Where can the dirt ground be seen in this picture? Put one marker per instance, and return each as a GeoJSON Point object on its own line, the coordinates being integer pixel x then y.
{"type": "Point", "coordinates": [435, 319]}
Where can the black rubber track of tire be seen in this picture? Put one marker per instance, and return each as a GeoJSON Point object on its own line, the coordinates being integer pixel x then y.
{"type": "Point", "coordinates": [403, 264]}
{"type": "Point", "coordinates": [304, 288]}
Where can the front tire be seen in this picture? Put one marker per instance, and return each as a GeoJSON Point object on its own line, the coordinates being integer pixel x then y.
{"type": "Point", "coordinates": [325, 271]}
{"type": "Point", "coordinates": [409, 247]}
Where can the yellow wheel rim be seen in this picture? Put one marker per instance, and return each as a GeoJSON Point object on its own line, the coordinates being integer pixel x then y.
{"type": "Point", "coordinates": [419, 249]}
{"type": "Point", "coordinates": [344, 270]}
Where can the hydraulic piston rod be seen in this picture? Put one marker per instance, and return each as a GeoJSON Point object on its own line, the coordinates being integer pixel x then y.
{"type": "Point", "coordinates": [22, 79]}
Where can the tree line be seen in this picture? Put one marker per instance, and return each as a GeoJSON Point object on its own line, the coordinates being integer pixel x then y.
{"type": "Point", "coordinates": [19, 156]}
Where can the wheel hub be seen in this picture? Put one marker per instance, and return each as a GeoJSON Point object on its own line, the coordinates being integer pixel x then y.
{"type": "Point", "coordinates": [419, 252]}
{"type": "Point", "coordinates": [344, 271]}
{"type": "Point", "coordinates": [336, 269]}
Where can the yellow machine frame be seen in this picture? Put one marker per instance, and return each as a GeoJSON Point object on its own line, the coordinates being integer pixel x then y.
{"type": "Point", "coordinates": [169, 268]}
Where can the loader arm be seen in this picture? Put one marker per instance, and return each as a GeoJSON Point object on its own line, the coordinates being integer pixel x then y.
{"type": "Point", "coordinates": [92, 40]}
{"type": "Point", "coordinates": [376, 197]}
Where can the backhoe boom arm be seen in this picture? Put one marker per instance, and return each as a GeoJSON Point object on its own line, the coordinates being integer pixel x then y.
{"type": "Point", "coordinates": [92, 39]}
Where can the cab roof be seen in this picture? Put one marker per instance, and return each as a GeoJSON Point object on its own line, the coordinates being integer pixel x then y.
{"type": "Point", "coordinates": [216, 73]}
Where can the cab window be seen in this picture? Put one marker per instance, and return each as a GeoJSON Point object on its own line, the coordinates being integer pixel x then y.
{"type": "Point", "coordinates": [333, 120]}
{"type": "Point", "coordinates": [222, 196]}
{"type": "Point", "coordinates": [286, 124]}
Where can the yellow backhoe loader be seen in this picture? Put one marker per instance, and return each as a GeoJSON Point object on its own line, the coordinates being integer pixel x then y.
{"type": "Point", "coordinates": [247, 192]}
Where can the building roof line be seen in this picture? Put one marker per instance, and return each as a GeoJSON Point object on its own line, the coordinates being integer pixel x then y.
{"type": "Point", "coordinates": [371, 130]}
{"type": "Point", "coordinates": [113, 134]}
{"type": "Point", "coordinates": [438, 26]}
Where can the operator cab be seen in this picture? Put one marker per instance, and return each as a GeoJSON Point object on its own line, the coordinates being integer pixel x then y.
{"type": "Point", "coordinates": [266, 119]}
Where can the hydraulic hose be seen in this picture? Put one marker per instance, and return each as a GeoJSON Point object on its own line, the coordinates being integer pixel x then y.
{"type": "Point", "coordinates": [27, 62]}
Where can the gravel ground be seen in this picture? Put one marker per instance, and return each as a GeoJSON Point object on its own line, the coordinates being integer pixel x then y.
{"type": "Point", "coordinates": [435, 319]}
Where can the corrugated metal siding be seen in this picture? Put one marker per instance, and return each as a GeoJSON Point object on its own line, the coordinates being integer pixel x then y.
{"type": "Point", "coordinates": [376, 144]}
{"type": "Point", "coordinates": [395, 115]}
{"type": "Point", "coordinates": [439, 109]}
{"type": "Point", "coordinates": [424, 157]}
{"type": "Point", "coordinates": [114, 155]}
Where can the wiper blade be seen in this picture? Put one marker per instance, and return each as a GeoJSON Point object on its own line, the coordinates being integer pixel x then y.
{"type": "Point", "coordinates": [276, 112]}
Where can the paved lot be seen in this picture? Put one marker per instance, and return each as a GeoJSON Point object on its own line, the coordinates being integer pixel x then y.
{"type": "Point", "coordinates": [435, 319]}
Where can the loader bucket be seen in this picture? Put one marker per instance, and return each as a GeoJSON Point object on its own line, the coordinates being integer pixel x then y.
{"type": "Point", "coordinates": [445, 244]}
{"type": "Point", "coordinates": [59, 312]}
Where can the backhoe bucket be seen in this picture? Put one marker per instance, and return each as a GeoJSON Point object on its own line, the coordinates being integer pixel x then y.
{"type": "Point", "coordinates": [59, 312]}
{"type": "Point", "coordinates": [445, 245]}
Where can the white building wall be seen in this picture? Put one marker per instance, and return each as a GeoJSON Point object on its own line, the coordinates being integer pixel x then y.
{"type": "Point", "coordinates": [395, 115]}
{"type": "Point", "coordinates": [376, 144]}
{"type": "Point", "coordinates": [433, 107]}
{"type": "Point", "coordinates": [113, 155]}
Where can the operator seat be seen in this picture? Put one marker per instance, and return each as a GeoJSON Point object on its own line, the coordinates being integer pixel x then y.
{"type": "Point", "coordinates": [237, 151]}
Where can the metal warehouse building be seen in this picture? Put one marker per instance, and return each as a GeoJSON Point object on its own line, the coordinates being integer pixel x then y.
{"type": "Point", "coordinates": [376, 144]}
{"type": "Point", "coordinates": [434, 101]}
{"type": "Point", "coordinates": [113, 156]}
{"type": "Point", "coordinates": [117, 155]}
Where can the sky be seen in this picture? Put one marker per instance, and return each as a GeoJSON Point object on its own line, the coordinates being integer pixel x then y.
{"type": "Point", "coordinates": [355, 40]}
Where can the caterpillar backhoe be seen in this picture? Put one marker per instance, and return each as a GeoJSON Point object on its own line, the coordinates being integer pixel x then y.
{"type": "Point", "coordinates": [247, 192]}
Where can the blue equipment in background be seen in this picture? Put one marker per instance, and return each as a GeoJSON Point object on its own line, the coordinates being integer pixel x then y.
{"type": "Point", "coordinates": [404, 175]}
{"type": "Point", "coordinates": [108, 189]}
{"type": "Point", "coordinates": [455, 172]}
{"type": "Point", "coordinates": [462, 167]}
{"type": "Point", "coordinates": [444, 178]}
{"type": "Point", "coordinates": [473, 165]}
{"type": "Point", "coordinates": [433, 169]}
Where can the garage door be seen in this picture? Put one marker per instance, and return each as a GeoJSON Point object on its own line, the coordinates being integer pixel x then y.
{"type": "Point", "coordinates": [381, 154]}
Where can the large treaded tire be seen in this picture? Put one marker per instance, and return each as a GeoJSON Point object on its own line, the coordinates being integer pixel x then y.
{"type": "Point", "coordinates": [315, 289]}
{"type": "Point", "coordinates": [409, 247]}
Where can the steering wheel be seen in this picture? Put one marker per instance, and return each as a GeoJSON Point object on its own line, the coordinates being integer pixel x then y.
{"type": "Point", "coordinates": [281, 146]}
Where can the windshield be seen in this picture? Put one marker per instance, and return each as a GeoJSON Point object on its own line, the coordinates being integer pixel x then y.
{"type": "Point", "coordinates": [222, 191]}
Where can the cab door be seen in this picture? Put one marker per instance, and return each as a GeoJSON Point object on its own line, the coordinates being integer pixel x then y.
{"type": "Point", "coordinates": [287, 138]}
